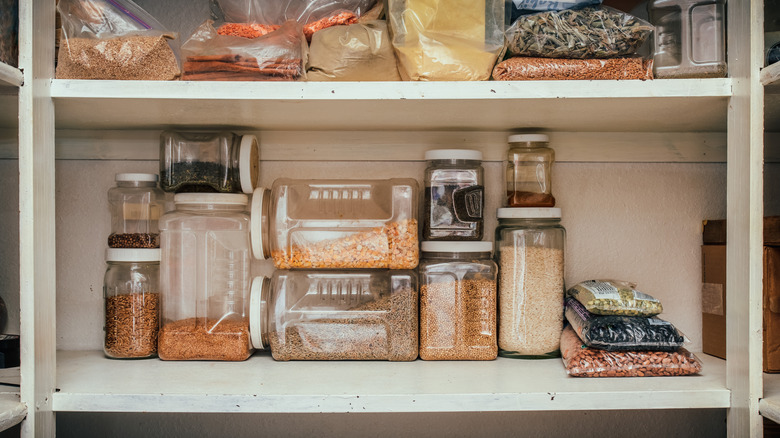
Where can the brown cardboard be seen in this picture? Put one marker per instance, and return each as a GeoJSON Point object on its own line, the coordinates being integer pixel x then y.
{"type": "Point", "coordinates": [771, 309]}
{"type": "Point", "coordinates": [713, 317]}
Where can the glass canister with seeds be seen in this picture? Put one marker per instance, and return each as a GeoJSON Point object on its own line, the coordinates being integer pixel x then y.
{"type": "Point", "coordinates": [136, 204]}
{"type": "Point", "coordinates": [529, 250]}
{"type": "Point", "coordinates": [457, 301]}
{"type": "Point", "coordinates": [132, 303]}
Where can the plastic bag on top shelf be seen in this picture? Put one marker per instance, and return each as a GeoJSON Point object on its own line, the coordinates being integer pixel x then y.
{"type": "Point", "coordinates": [113, 39]}
{"type": "Point", "coordinates": [522, 68]}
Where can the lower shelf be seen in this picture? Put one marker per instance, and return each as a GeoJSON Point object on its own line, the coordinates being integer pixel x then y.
{"type": "Point", "coordinates": [769, 406]}
{"type": "Point", "coordinates": [87, 381]}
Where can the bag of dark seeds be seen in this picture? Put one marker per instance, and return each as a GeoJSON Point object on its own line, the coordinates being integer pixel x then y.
{"type": "Point", "coordinates": [622, 333]}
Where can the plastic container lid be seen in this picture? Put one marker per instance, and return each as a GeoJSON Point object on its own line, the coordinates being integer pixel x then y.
{"type": "Point", "coordinates": [256, 223]}
{"type": "Point", "coordinates": [529, 213]}
{"type": "Point", "coordinates": [453, 154]}
{"type": "Point", "coordinates": [132, 254]}
{"type": "Point", "coordinates": [211, 198]}
{"type": "Point", "coordinates": [150, 177]}
{"type": "Point", "coordinates": [256, 311]}
{"type": "Point", "coordinates": [524, 138]}
{"type": "Point", "coordinates": [248, 163]}
{"type": "Point", "coordinates": [444, 246]}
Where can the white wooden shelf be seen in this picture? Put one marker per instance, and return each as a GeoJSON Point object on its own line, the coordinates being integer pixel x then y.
{"type": "Point", "coordinates": [10, 76]}
{"type": "Point", "coordinates": [769, 406]}
{"type": "Point", "coordinates": [87, 381]}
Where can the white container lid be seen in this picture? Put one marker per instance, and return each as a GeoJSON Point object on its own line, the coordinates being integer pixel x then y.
{"type": "Point", "coordinates": [450, 246]}
{"type": "Point", "coordinates": [453, 154]}
{"type": "Point", "coordinates": [529, 213]}
{"type": "Point", "coordinates": [523, 138]}
{"type": "Point", "coordinates": [248, 163]}
{"type": "Point", "coordinates": [132, 254]}
{"type": "Point", "coordinates": [256, 311]}
{"type": "Point", "coordinates": [256, 223]}
{"type": "Point", "coordinates": [211, 198]}
{"type": "Point", "coordinates": [151, 177]}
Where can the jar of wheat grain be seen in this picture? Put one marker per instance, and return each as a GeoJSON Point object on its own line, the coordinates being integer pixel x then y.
{"type": "Point", "coordinates": [529, 252]}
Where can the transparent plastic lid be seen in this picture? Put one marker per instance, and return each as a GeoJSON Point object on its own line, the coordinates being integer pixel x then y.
{"type": "Point", "coordinates": [524, 138]}
{"type": "Point", "coordinates": [528, 213]}
{"type": "Point", "coordinates": [453, 154]}
{"type": "Point", "coordinates": [211, 198]}
{"type": "Point", "coordinates": [445, 246]}
{"type": "Point", "coordinates": [149, 177]}
{"type": "Point", "coordinates": [132, 254]}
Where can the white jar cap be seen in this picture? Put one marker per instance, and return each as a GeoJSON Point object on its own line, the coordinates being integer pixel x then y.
{"type": "Point", "coordinates": [151, 177]}
{"type": "Point", "coordinates": [248, 163]}
{"type": "Point", "coordinates": [211, 198]}
{"type": "Point", "coordinates": [256, 312]}
{"type": "Point", "coordinates": [450, 246]}
{"type": "Point", "coordinates": [523, 138]}
{"type": "Point", "coordinates": [453, 154]}
{"type": "Point", "coordinates": [529, 213]}
{"type": "Point", "coordinates": [132, 254]}
{"type": "Point", "coordinates": [256, 225]}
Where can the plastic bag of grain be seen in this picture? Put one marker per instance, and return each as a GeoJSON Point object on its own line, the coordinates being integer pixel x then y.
{"type": "Point", "coordinates": [613, 297]}
{"type": "Point", "coordinates": [521, 68]}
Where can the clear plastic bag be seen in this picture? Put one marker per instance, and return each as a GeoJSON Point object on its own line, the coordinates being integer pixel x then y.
{"type": "Point", "coordinates": [590, 32]}
{"type": "Point", "coordinates": [113, 39]}
{"type": "Point", "coordinates": [582, 361]}
{"type": "Point", "coordinates": [521, 68]}
{"type": "Point", "coordinates": [358, 52]}
{"type": "Point", "coordinates": [277, 56]}
{"type": "Point", "coordinates": [612, 297]}
{"type": "Point", "coordinates": [621, 333]}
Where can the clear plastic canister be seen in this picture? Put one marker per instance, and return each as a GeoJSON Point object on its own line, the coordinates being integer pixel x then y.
{"type": "Point", "coordinates": [204, 276]}
{"type": "Point", "coordinates": [454, 195]}
{"type": "Point", "coordinates": [132, 303]}
{"type": "Point", "coordinates": [529, 171]}
{"type": "Point", "coordinates": [457, 301]}
{"type": "Point", "coordinates": [530, 255]}
{"type": "Point", "coordinates": [336, 315]}
{"type": "Point", "coordinates": [337, 224]}
{"type": "Point", "coordinates": [208, 162]}
{"type": "Point", "coordinates": [136, 204]}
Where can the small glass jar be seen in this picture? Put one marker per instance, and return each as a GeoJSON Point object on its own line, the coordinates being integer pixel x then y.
{"type": "Point", "coordinates": [336, 315]}
{"type": "Point", "coordinates": [454, 195]}
{"type": "Point", "coordinates": [136, 204]}
{"type": "Point", "coordinates": [132, 303]}
{"type": "Point", "coordinates": [530, 254]}
{"type": "Point", "coordinates": [457, 301]}
{"type": "Point", "coordinates": [208, 162]}
{"type": "Point", "coordinates": [528, 171]}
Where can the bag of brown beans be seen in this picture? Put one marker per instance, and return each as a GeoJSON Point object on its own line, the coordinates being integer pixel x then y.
{"type": "Point", "coordinates": [529, 69]}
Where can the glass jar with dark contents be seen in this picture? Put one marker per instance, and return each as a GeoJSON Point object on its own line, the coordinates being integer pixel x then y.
{"type": "Point", "coordinates": [136, 204]}
{"type": "Point", "coordinates": [528, 171]}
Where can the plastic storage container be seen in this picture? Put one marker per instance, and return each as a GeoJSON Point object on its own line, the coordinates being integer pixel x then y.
{"type": "Point", "coordinates": [530, 253]}
{"type": "Point", "coordinates": [690, 38]}
{"type": "Point", "coordinates": [336, 315]}
{"type": "Point", "coordinates": [136, 204]}
{"type": "Point", "coordinates": [454, 195]}
{"type": "Point", "coordinates": [208, 162]}
{"type": "Point", "coordinates": [132, 303]}
{"type": "Point", "coordinates": [457, 301]}
{"type": "Point", "coordinates": [337, 223]}
{"type": "Point", "coordinates": [204, 275]}
{"type": "Point", "coordinates": [528, 171]}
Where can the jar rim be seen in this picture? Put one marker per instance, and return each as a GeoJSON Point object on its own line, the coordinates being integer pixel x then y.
{"type": "Point", "coordinates": [523, 138]}
{"type": "Point", "coordinates": [132, 254]}
{"type": "Point", "coordinates": [211, 198]}
{"type": "Point", "coordinates": [453, 154]}
{"type": "Point", "coordinates": [133, 177]}
{"type": "Point", "coordinates": [450, 246]}
{"type": "Point", "coordinates": [528, 213]}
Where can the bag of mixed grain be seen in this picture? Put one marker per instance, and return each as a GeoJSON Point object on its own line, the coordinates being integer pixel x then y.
{"type": "Point", "coordinates": [612, 297]}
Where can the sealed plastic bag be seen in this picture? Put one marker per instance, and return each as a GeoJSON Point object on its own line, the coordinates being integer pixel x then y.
{"type": "Point", "coordinates": [277, 56]}
{"type": "Point", "coordinates": [612, 297]}
{"type": "Point", "coordinates": [581, 361]}
{"type": "Point", "coordinates": [590, 32]}
{"type": "Point", "coordinates": [621, 333]}
{"type": "Point", "coordinates": [521, 68]}
{"type": "Point", "coordinates": [113, 39]}
{"type": "Point", "coordinates": [358, 52]}
{"type": "Point", "coordinates": [446, 40]}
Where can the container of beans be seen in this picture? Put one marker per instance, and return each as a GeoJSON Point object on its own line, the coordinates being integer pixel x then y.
{"type": "Point", "coordinates": [136, 204]}
{"type": "Point", "coordinates": [204, 278]}
{"type": "Point", "coordinates": [221, 162]}
{"type": "Point", "coordinates": [457, 301]}
{"type": "Point", "coordinates": [528, 171]}
{"type": "Point", "coordinates": [132, 303]}
{"type": "Point", "coordinates": [336, 315]}
{"type": "Point", "coordinates": [337, 224]}
{"type": "Point", "coordinates": [529, 250]}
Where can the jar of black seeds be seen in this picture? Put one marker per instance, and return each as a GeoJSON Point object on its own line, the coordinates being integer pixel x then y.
{"type": "Point", "coordinates": [136, 204]}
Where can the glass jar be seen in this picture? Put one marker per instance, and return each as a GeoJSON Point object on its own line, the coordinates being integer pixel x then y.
{"type": "Point", "coordinates": [337, 224]}
{"type": "Point", "coordinates": [454, 195]}
{"type": "Point", "coordinates": [204, 276]}
{"type": "Point", "coordinates": [528, 171]}
{"type": "Point", "coordinates": [132, 303]}
{"type": "Point", "coordinates": [136, 205]}
{"type": "Point", "coordinates": [336, 315]}
{"type": "Point", "coordinates": [690, 38]}
{"type": "Point", "coordinates": [208, 162]}
{"type": "Point", "coordinates": [529, 252]}
{"type": "Point", "coordinates": [457, 301]}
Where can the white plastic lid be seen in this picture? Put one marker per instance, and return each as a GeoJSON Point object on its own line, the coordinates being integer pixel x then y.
{"type": "Point", "coordinates": [448, 246]}
{"type": "Point", "coordinates": [248, 163]}
{"type": "Point", "coordinates": [256, 310]}
{"type": "Point", "coordinates": [529, 213]}
{"type": "Point", "coordinates": [211, 198]}
{"type": "Point", "coordinates": [523, 138]}
{"type": "Point", "coordinates": [256, 223]}
{"type": "Point", "coordinates": [132, 254]}
{"type": "Point", "coordinates": [453, 154]}
{"type": "Point", "coordinates": [151, 177]}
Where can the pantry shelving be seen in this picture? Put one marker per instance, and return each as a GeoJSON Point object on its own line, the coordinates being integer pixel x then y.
{"type": "Point", "coordinates": [10, 76]}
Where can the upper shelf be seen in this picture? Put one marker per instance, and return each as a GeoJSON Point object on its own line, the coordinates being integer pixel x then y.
{"type": "Point", "coordinates": [677, 105]}
{"type": "Point", "coordinates": [10, 76]}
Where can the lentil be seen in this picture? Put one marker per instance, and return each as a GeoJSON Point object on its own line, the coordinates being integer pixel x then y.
{"type": "Point", "coordinates": [205, 339]}
{"type": "Point", "coordinates": [125, 57]}
{"type": "Point", "coordinates": [610, 297]}
{"type": "Point", "coordinates": [132, 325]}
{"type": "Point", "coordinates": [134, 240]}
{"type": "Point", "coordinates": [529, 68]}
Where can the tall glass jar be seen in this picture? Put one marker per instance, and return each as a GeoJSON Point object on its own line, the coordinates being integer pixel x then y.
{"type": "Point", "coordinates": [454, 195]}
{"type": "Point", "coordinates": [530, 254]}
{"type": "Point", "coordinates": [529, 171]}
{"type": "Point", "coordinates": [136, 204]}
{"type": "Point", "coordinates": [204, 276]}
{"type": "Point", "coordinates": [457, 301]}
{"type": "Point", "coordinates": [132, 303]}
